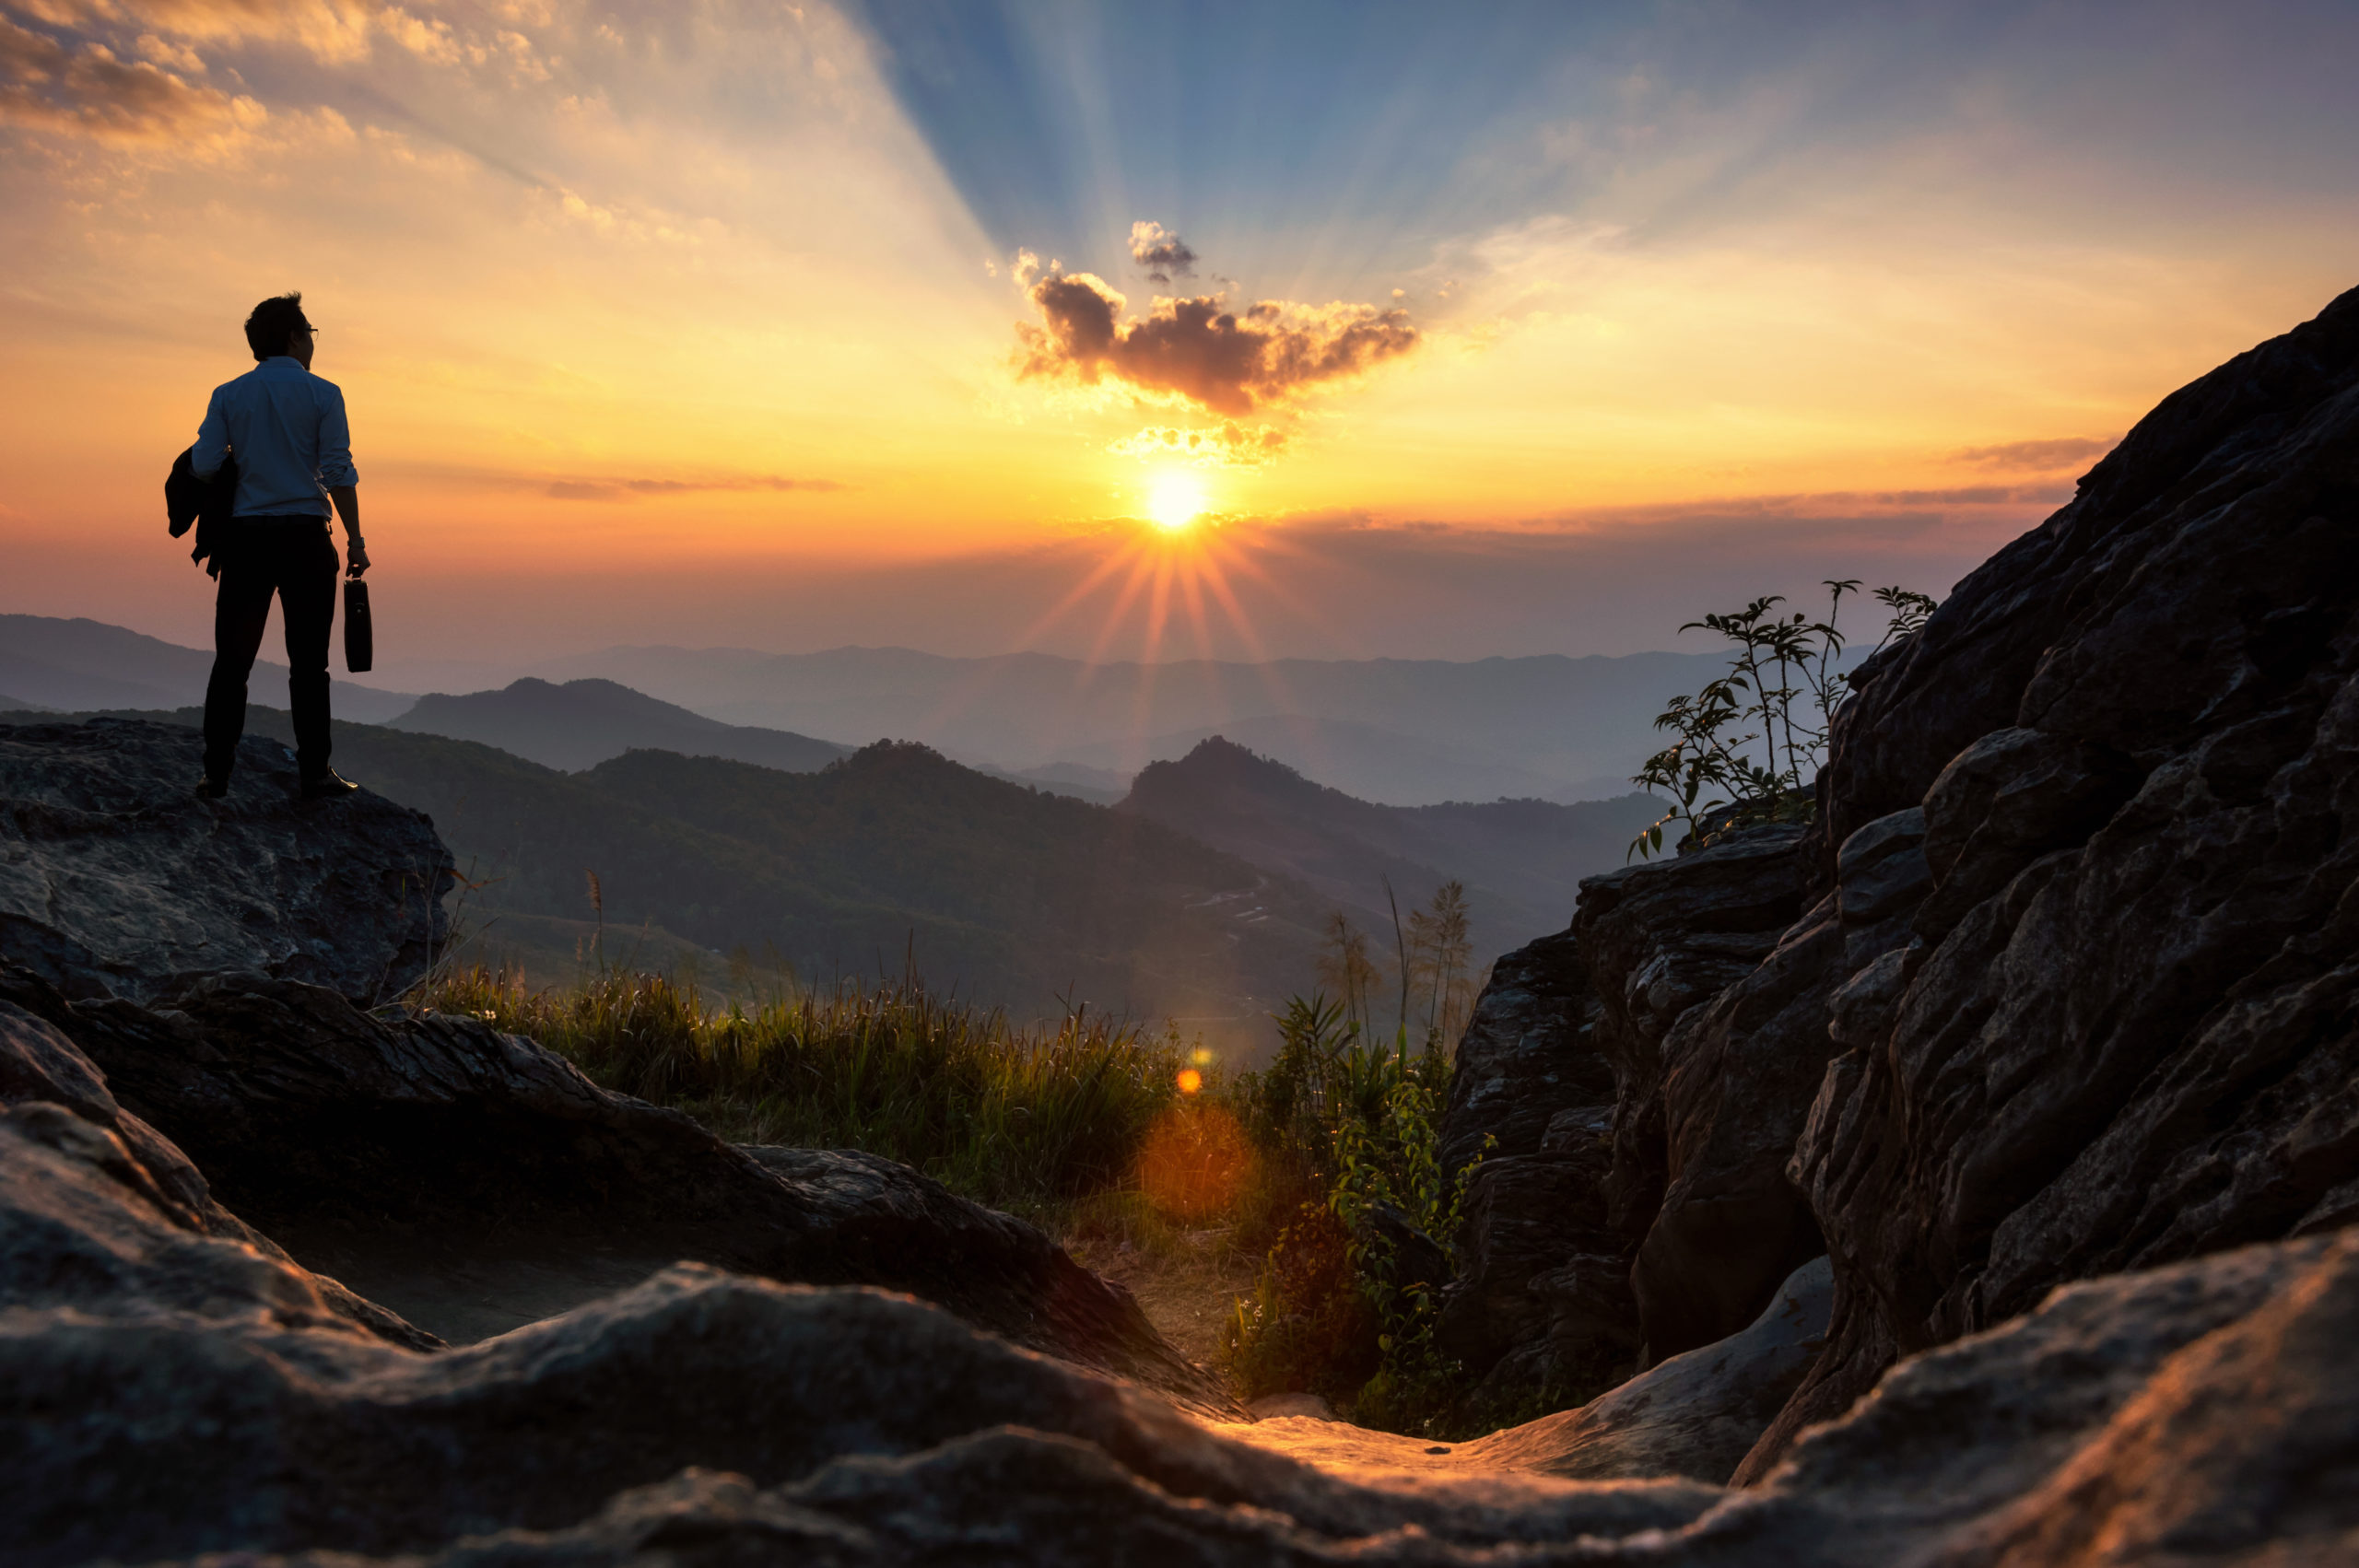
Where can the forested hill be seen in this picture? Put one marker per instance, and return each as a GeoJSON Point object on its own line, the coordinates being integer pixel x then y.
{"type": "Point", "coordinates": [1011, 895]}
{"type": "Point", "coordinates": [1521, 860]}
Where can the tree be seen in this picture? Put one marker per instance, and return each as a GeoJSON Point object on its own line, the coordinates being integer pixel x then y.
{"type": "Point", "coordinates": [1440, 958]}
{"type": "Point", "coordinates": [1347, 970]}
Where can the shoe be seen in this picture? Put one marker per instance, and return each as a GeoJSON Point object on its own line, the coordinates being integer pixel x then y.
{"type": "Point", "coordinates": [212, 789]}
{"type": "Point", "coordinates": [328, 785]}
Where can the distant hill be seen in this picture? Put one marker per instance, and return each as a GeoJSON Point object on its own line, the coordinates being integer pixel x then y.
{"type": "Point", "coordinates": [1521, 860]}
{"type": "Point", "coordinates": [581, 723]}
{"type": "Point", "coordinates": [81, 664]}
{"type": "Point", "coordinates": [1384, 766]}
{"type": "Point", "coordinates": [1014, 896]}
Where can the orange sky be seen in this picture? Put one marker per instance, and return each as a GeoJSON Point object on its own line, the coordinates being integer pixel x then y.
{"type": "Point", "coordinates": [594, 331]}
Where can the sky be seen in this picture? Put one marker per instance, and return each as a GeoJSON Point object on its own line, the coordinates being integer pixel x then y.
{"type": "Point", "coordinates": [1139, 332]}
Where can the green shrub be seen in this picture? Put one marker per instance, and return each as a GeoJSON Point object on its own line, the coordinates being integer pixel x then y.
{"type": "Point", "coordinates": [1348, 1130]}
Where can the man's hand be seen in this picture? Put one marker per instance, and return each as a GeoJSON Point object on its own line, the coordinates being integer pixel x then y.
{"type": "Point", "coordinates": [355, 556]}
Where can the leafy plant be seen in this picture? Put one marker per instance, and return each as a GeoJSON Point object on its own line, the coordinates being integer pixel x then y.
{"type": "Point", "coordinates": [1747, 746]}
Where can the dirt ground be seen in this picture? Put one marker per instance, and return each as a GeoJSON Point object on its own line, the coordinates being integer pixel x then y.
{"type": "Point", "coordinates": [1187, 1292]}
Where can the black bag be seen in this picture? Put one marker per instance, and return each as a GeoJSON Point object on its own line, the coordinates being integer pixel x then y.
{"type": "Point", "coordinates": [359, 637]}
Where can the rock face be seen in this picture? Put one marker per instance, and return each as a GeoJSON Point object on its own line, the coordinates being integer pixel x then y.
{"type": "Point", "coordinates": [167, 1392]}
{"type": "Point", "coordinates": [1542, 1305]}
{"type": "Point", "coordinates": [114, 875]}
{"type": "Point", "coordinates": [1586, 1054]}
{"type": "Point", "coordinates": [2122, 1033]}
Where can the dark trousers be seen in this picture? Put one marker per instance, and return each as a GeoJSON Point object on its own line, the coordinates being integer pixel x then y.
{"type": "Point", "coordinates": [292, 559]}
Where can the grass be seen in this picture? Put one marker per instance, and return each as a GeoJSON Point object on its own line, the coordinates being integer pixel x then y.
{"type": "Point", "coordinates": [1083, 1127]}
{"type": "Point", "coordinates": [1032, 1122]}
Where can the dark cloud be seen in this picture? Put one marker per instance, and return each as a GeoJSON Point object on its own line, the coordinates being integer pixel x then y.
{"type": "Point", "coordinates": [89, 91]}
{"type": "Point", "coordinates": [631, 489]}
{"type": "Point", "coordinates": [1228, 362]}
{"type": "Point", "coordinates": [2040, 457]}
{"type": "Point", "coordinates": [1160, 253]}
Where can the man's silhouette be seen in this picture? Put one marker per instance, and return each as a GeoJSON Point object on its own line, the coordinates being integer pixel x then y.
{"type": "Point", "coordinates": [285, 427]}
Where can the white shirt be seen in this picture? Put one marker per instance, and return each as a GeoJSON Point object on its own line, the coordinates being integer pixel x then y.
{"type": "Point", "coordinates": [287, 430]}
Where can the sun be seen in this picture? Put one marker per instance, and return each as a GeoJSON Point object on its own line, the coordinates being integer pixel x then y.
{"type": "Point", "coordinates": [1174, 501]}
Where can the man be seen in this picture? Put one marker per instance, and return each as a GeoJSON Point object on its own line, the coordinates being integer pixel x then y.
{"type": "Point", "coordinates": [285, 427]}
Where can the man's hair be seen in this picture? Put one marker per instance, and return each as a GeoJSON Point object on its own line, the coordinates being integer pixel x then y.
{"type": "Point", "coordinates": [273, 322]}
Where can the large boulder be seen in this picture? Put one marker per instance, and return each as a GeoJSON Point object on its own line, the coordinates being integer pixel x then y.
{"type": "Point", "coordinates": [2123, 1033]}
{"type": "Point", "coordinates": [116, 876]}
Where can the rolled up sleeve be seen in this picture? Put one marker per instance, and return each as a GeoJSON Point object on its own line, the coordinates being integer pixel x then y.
{"type": "Point", "coordinates": [205, 459]}
{"type": "Point", "coordinates": [335, 441]}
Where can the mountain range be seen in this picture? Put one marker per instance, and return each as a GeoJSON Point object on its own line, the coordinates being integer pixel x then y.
{"type": "Point", "coordinates": [1392, 732]}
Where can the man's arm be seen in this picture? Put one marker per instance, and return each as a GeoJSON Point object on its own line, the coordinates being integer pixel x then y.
{"type": "Point", "coordinates": [212, 440]}
{"type": "Point", "coordinates": [338, 476]}
{"type": "Point", "coordinates": [347, 507]}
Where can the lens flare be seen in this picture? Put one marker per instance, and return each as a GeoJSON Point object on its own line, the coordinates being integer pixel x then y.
{"type": "Point", "coordinates": [1174, 501]}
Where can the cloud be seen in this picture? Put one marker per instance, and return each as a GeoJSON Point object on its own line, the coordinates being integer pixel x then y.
{"type": "Point", "coordinates": [631, 489]}
{"type": "Point", "coordinates": [1162, 255]}
{"type": "Point", "coordinates": [1200, 350]}
{"type": "Point", "coordinates": [89, 91]}
{"type": "Point", "coordinates": [1230, 445]}
{"type": "Point", "coordinates": [2040, 457]}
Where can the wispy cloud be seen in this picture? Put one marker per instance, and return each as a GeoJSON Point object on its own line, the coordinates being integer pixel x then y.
{"type": "Point", "coordinates": [1160, 253]}
{"type": "Point", "coordinates": [2040, 457]}
{"type": "Point", "coordinates": [632, 489]}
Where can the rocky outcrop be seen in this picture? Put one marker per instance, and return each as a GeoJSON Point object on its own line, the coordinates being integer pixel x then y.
{"type": "Point", "coordinates": [165, 1392]}
{"type": "Point", "coordinates": [2123, 1032]}
{"type": "Point", "coordinates": [2064, 984]}
{"type": "Point", "coordinates": [115, 876]}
